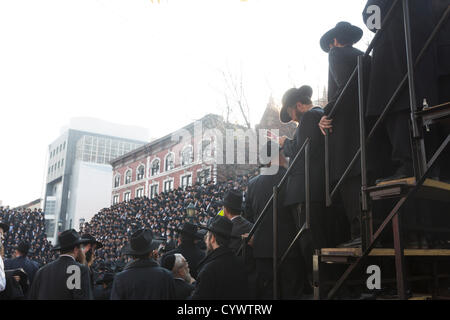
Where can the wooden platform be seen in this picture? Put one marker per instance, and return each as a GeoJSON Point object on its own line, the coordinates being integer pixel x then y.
{"type": "Point", "coordinates": [357, 252]}
{"type": "Point", "coordinates": [430, 189]}
{"type": "Point", "coordinates": [435, 114]}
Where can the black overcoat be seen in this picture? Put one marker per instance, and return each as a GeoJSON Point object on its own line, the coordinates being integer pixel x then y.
{"type": "Point", "coordinates": [50, 282]}
{"type": "Point", "coordinates": [143, 279]}
{"type": "Point", "coordinates": [259, 190]}
{"type": "Point", "coordinates": [182, 289]}
{"type": "Point", "coordinates": [344, 138]}
{"type": "Point", "coordinates": [389, 57]}
{"type": "Point", "coordinates": [307, 128]}
{"type": "Point", "coordinates": [222, 276]}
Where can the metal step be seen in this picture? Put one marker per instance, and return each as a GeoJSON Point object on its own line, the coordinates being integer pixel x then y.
{"type": "Point", "coordinates": [435, 114]}
{"type": "Point", "coordinates": [430, 189]}
{"type": "Point", "coordinates": [348, 255]}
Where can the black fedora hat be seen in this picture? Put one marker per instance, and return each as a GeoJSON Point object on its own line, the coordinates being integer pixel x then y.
{"type": "Point", "coordinates": [141, 243]}
{"type": "Point", "coordinates": [221, 226]}
{"type": "Point", "coordinates": [93, 240]}
{"type": "Point", "coordinates": [69, 239]}
{"type": "Point", "coordinates": [233, 200]}
{"type": "Point", "coordinates": [290, 98]}
{"type": "Point", "coordinates": [189, 229]}
{"type": "Point", "coordinates": [4, 226]}
{"type": "Point", "coordinates": [351, 32]}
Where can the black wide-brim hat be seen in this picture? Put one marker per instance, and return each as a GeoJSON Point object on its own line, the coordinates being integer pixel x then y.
{"type": "Point", "coordinates": [4, 226]}
{"type": "Point", "coordinates": [189, 229]}
{"type": "Point", "coordinates": [353, 33]}
{"type": "Point", "coordinates": [93, 240]}
{"type": "Point", "coordinates": [290, 98]}
{"type": "Point", "coordinates": [69, 239]}
{"type": "Point", "coordinates": [141, 243]}
{"type": "Point", "coordinates": [233, 200]}
{"type": "Point", "coordinates": [221, 226]}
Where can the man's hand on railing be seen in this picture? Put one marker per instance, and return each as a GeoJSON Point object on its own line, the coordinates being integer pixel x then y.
{"type": "Point", "coordinates": [250, 242]}
{"type": "Point", "coordinates": [324, 124]}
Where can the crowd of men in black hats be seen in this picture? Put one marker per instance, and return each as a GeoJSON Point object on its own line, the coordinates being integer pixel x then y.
{"type": "Point", "coordinates": [150, 249]}
{"type": "Point", "coordinates": [28, 226]}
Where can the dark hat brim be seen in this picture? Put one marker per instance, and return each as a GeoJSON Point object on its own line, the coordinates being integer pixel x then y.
{"type": "Point", "coordinates": [129, 251]}
{"type": "Point", "coordinates": [228, 236]}
{"type": "Point", "coordinates": [228, 205]}
{"type": "Point", "coordinates": [284, 116]}
{"type": "Point", "coordinates": [76, 243]}
{"type": "Point", "coordinates": [353, 32]}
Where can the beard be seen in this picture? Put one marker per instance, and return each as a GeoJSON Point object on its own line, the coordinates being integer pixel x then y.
{"type": "Point", "coordinates": [81, 258]}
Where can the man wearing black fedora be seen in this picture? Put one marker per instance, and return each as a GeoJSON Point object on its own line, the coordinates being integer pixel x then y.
{"type": "Point", "coordinates": [222, 275]}
{"type": "Point", "coordinates": [232, 209]}
{"type": "Point", "coordinates": [22, 261]}
{"type": "Point", "coordinates": [142, 278]}
{"type": "Point", "coordinates": [298, 107]}
{"type": "Point", "coordinates": [188, 235]}
{"type": "Point", "coordinates": [89, 253]}
{"type": "Point", "coordinates": [343, 129]}
{"type": "Point", "coordinates": [65, 278]}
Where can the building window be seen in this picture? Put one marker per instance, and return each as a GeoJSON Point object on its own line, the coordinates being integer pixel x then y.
{"type": "Point", "coordinates": [170, 160]}
{"type": "Point", "coordinates": [115, 199]}
{"type": "Point", "coordinates": [204, 176]}
{"type": "Point", "coordinates": [155, 167]}
{"type": "Point", "coordinates": [62, 163]}
{"type": "Point", "coordinates": [140, 172]}
{"type": "Point", "coordinates": [64, 145]}
{"type": "Point", "coordinates": [153, 191]}
{"type": "Point", "coordinates": [117, 181]}
{"type": "Point", "coordinates": [187, 156]}
{"type": "Point", "coordinates": [168, 185]}
{"type": "Point", "coordinates": [126, 196]}
{"type": "Point", "coordinates": [186, 181]}
{"type": "Point", "coordinates": [140, 193]}
{"type": "Point", "coordinates": [128, 177]}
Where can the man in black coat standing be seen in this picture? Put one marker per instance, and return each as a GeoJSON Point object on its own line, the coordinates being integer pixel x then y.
{"type": "Point", "coordinates": [344, 127]}
{"type": "Point", "coordinates": [298, 107]}
{"type": "Point", "coordinates": [187, 247]}
{"type": "Point", "coordinates": [222, 275]}
{"type": "Point", "coordinates": [142, 278]}
{"type": "Point", "coordinates": [259, 190]}
{"type": "Point", "coordinates": [388, 69]}
{"type": "Point", "coordinates": [64, 278]}
{"type": "Point", "coordinates": [232, 209]}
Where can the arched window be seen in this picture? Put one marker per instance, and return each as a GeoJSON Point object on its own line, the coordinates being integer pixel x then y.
{"type": "Point", "coordinates": [140, 172]}
{"type": "Point", "coordinates": [128, 176]}
{"type": "Point", "coordinates": [187, 156]}
{"type": "Point", "coordinates": [170, 162]}
{"type": "Point", "coordinates": [205, 150]}
{"type": "Point", "coordinates": [155, 167]}
{"type": "Point", "coordinates": [117, 181]}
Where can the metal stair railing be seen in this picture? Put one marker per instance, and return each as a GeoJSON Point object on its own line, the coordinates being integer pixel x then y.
{"type": "Point", "coordinates": [422, 169]}
{"type": "Point", "coordinates": [274, 201]}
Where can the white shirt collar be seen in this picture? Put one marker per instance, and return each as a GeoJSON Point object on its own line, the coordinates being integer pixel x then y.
{"type": "Point", "coordinates": [67, 255]}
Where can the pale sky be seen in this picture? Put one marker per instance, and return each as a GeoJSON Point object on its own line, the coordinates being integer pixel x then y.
{"type": "Point", "coordinates": [146, 64]}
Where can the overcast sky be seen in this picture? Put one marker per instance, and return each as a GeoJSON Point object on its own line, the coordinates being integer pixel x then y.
{"type": "Point", "coordinates": [146, 64]}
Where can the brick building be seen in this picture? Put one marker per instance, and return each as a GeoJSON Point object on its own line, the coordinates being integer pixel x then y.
{"type": "Point", "coordinates": [167, 163]}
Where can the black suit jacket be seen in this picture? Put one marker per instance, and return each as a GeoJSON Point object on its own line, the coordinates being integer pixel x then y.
{"type": "Point", "coordinates": [222, 276]}
{"type": "Point", "coordinates": [143, 280]}
{"type": "Point", "coordinates": [307, 128]}
{"type": "Point", "coordinates": [50, 282]}
{"type": "Point", "coordinates": [259, 190]}
{"type": "Point", "coordinates": [29, 266]}
{"type": "Point", "coordinates": [389, 57]}
{"type": "Point", "coordinates": [240, 227]}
